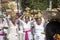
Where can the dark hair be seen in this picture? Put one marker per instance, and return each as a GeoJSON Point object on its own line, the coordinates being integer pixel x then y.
{"type": "Point", "coordinates": [53, 27]}
{"type": "Point", "coordinates": [37, 18]}
{"type": "Point", "coordinates": [26, 17]}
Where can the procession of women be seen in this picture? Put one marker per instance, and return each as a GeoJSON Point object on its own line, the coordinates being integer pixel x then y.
{"type": "Point", "coordinates": [28, 25]}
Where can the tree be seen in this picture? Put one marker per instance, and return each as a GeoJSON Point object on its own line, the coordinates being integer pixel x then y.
{"type": "Point", "coordinates": [55, 3]}
{"type": "Point", "coordinates": [41, 4]}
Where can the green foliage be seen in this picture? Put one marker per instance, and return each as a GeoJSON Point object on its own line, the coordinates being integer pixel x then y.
{"type": "Point", "coordinates": [58, 2]}
{"type": "Point", "coordinates": [41, 4]}
{"type": "Point", "coordinates": [55, 3]}
{"type": "Point", "coordinates": [4, 9]}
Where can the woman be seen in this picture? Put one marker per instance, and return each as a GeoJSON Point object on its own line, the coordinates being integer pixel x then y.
{"type": "Point", "coordinates": [26, 25]}
{"type": "Point", "coordinates": [39, 28]}
{"type": "Point", "coordinates": [1, 32]}
{"type": "Point", "coordinates": [13, 29]}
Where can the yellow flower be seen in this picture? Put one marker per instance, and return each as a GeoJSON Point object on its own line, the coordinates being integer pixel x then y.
{"type": "Point", "coordinates": [12, 5]}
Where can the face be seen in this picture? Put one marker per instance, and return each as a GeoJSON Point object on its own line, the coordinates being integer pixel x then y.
{"type": "Point", "coordinates": [14, 20]}
{"type": "Point", "coordinates": [17, 16]}
{"type": "Point", "coordinates": [8, 13]}
{"type": "Point", "coordinates": [38, 21]}
{"type": "Point", "coordinates": [26, 19]}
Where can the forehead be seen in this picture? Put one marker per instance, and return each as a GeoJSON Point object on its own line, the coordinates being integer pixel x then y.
{"type": "Point", "coordinates": [26, 17]}
{"type": "Point", "coordinates": [39, 19]}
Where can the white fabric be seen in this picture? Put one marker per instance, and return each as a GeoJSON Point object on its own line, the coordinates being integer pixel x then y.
{"type": "Point", "coordinates": [5, 24]}
{"type": "Point", "coordinates": [26, 27]}
{"type": "Point", "coordinates": [39, 29]}
{"type": "Point", "coordinates": [21, 29]}
{"type": "Point", "coordinates": [1, 25]}
{"type": "Point", "coordinates": [1, 38]}
{"type": "Point", "coordinates": [13, 35]}
{"type": "Point", "coordinates": [1, 32]}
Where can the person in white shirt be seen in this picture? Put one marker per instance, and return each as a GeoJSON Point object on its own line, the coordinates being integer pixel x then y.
{"type": "Point", "coordinates": [1, 25]}
{"type": "Point", "coordinates": [20, 27]}
{"type": "Point", "coordinates": [13, 30]}
{"type": "Point", "coordinates": [39, 28]}
{"type": "Point", "coordinates": [5, 23]}
{"type": "Point", "coordinates": [1, 32]}
{"type": "Point", "coordinates": [27, 35]}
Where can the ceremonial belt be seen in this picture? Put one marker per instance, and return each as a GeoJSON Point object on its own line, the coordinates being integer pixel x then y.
{"type": "Point", "coordinates": [1, 34]}
{"type": "Point", "coordinates": [26, 34]}
{"type": "Point", "coordinates": [42, 32]}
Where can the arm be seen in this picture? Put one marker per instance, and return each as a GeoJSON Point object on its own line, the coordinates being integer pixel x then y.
{"type": "Point", "coordinates": [9, 23]}
{"type": "Point", "coordinates": [21, 21]}
{"type": "Point", "coordinates": [43, 20]}
{"type": "Point", "coordinates": [5, 25]}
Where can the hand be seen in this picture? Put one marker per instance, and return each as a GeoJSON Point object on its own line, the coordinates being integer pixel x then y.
{"type": "Point", "coordinates": [56, 36]}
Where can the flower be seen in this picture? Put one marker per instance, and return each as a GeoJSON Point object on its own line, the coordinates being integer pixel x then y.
{"type": "Point", "coordinates": [12, 5]}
